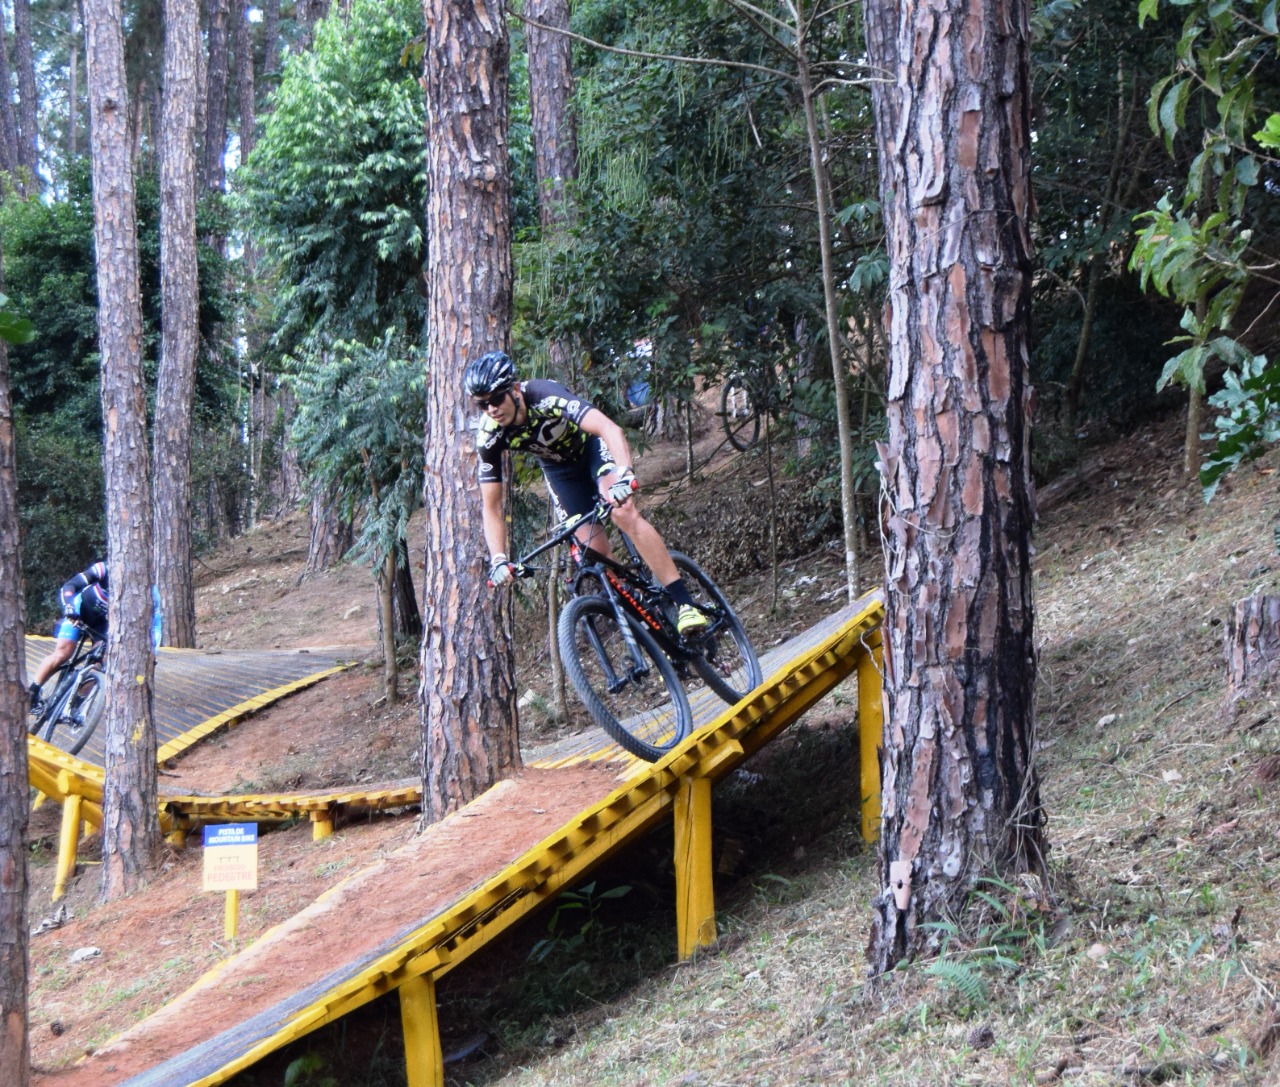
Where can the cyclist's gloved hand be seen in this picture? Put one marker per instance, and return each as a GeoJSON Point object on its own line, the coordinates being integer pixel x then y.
{"type": "Point", "coordinates": [622, 488]}
{"type": "Point", "coordinates": [500, 571]}
{"type": "Point", "coordinates": [70, 611]}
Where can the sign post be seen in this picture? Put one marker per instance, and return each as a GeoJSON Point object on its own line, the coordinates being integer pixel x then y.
{"type": "Point", "coordinates": [231, 865]}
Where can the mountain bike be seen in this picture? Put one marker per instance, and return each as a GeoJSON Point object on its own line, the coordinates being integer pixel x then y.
{"type": "Point", "coordinates": [621, 649]}
{"type": "Point", "coordinates": [77, 700]}
{"type": "Point", "coordinates": [748, 397]}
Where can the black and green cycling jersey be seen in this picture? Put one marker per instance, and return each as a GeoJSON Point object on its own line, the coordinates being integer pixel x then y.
{"type": "Point", "coordinates": [551, 432]}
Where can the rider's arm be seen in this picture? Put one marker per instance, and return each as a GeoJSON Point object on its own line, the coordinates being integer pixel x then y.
{"type": "Point", "coordinates": [495, 527]}
{"type": "Point", "coordinates": [597, 423]}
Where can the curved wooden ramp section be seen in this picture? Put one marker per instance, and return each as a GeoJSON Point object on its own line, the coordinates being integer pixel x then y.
{"type": "Point", "coordinates": [197, 693]}
{"type": "Point", "coordinates": [586, 807]}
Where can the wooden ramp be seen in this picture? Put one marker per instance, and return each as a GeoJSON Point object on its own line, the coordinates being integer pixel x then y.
{"type": "Point", "coordinates": [457, 890]}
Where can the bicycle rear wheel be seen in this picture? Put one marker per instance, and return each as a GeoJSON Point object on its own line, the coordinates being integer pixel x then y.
{"type": "Point", "coordinates": [724, 657]}
{"type": "Point", "coordinates": [638, 701]}
{"type": "Point", "coordinates": [739, 413]}
{"type": "Point", "coordinates": [78, 719]}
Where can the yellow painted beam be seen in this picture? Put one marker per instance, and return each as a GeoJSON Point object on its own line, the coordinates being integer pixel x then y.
{"type": "Point", "coordinates": [68, 842]}
{"type": "Point", "coordinates": [870, 733]}
{"type": "Point", "coordinates": [423, 1057]}
{"type": "Point", "coordinates": [695, 890]}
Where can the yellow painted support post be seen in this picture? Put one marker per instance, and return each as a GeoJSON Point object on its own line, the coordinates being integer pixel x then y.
{"type": "Point", "coordinates": [870, 736]}
{"type": "Point", "coordinates": [231, 915]}
{"type": "Point", "coordinates": [68, 843]}
{"type": "Point", "coordinates": [321, 825]}
{"type": "Point", "coordinates": [423, 1057]}
{"type": "Point", "coordinates": [695, 891]}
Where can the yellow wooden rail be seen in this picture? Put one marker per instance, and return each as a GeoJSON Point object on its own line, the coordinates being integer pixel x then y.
{"type": "Point", "coordinates": [679, 784]}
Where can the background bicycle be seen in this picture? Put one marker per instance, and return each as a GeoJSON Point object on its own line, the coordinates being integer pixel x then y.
{"type": "Point", "coordinates": [751, 397]}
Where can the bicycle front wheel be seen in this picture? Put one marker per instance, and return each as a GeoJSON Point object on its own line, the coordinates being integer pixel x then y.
{"type": "Point", "coordinates": [739, 413]}
{"type": "Point", "coordinates": [723, 654]}
{"type": "Point", "coordinates": [78, 719]}
{"type": "Point", "coordinates": [626, 683]}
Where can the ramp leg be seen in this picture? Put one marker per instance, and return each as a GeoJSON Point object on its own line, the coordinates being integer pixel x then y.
{"type": "Point", "coordinates": [321, 825]}
{"type": "Point", "coordinates": [870, 735]}
{"type": "Point", "coordinates": [423, 1058]}
{"type": "Point", "coordinates": [68, 843]}
{"type": "Point", "coordinates": [695, 891]}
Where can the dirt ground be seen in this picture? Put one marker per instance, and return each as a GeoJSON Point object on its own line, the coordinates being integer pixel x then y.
{"type": "Point", "coordinates": [98, 969]}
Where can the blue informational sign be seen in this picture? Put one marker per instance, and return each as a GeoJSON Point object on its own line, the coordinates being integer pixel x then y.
{"type": "Point", "coordinates": [231, 834]}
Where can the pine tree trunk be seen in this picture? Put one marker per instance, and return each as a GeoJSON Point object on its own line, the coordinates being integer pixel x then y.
{"type": "Point", "coordinates": [1251, 646]}
{"type": "Point", "coordinates": [28, 110]}
{"type": "Point", "coordinates": [8, 115]}
{"type": "Point", "coordinates": [467, 694]}
{"type": "Point", "coordinates": [130, 828]}
{"type": "Point", "coordinates": [180, 331]}
{"type": "Point", "coordinates": [14, 792]}
{"type": "Point", "coordinates": [331, 536]}
{"type": "Point", "coordinates": [960, 791]}
{"type": "Point", "coordinates": [212, 172]}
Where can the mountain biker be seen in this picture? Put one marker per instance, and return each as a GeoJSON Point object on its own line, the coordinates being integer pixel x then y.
{"type": "Point", "coordinates": [84, 606]}
{"type": "Point", "coordinates": [582, 453]}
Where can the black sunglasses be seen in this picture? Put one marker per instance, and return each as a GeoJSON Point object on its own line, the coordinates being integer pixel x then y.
{"type": "Point", "coordinates": [493, 400]}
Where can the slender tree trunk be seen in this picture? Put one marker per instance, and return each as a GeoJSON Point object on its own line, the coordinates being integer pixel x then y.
{"type": "Point", "coordinates": [844, 424]}
{"type": "Point", "coordinates": [73, 84]}
{"type": "Point", "coordinates": [271, 41]}
{"type": "Point", "coordinates": [386, 579]}
{"type": "Point", "coordinates": [212, 171]}
{"type": "Point", "coordinates": [130, 827]}
{"type": "Point", "coordinates": [467, 693]}
{"type": "Point", "coordinates": [960, 793]}
{"type": "Point", "coordinates": [180, 327]}
{"type": "Point", "coordinates": [9, 161]}
{"type": "Point", "coordinates": [28, 109]}
{"type": "Point", "coordinates": [15, 1070]}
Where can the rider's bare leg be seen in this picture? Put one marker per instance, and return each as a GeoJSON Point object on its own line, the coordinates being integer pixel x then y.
{"type": "Point", "coordinates": [60, 654]}
{"type": "Point", "coordinates": [649, 543]}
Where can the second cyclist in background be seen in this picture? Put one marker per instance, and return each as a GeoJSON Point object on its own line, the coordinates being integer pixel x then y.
{"type": "Point", "coordinates": [582, 453]}
{"type": "Point", "coordinates": [83, 600]}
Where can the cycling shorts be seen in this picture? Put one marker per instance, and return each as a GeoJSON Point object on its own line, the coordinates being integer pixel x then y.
{"type": "Point", "coordinates": [573, 486]}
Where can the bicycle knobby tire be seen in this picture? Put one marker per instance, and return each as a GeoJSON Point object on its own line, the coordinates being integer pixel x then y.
{"type": "Point", "coordinates": [726, 660]}
{"type": "Point", "coordinates": [647, 715]}
{"type": "Point", "coordinates": [88, 702]}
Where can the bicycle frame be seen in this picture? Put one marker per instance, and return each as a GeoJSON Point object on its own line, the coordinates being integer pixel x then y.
{"type": "Point", "coordinates": [89, 652]}
{"type": "Point", "coordinates": [630, 588]}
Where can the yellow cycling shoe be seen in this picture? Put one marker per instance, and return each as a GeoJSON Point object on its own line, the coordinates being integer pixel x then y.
{"type": "Point", "coordinates": [690, 620]}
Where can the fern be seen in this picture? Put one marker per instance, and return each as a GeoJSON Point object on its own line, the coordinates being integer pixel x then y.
{"type": "Point", "coordinates": [963, 978]}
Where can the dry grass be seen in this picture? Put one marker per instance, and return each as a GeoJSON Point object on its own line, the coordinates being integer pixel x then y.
{"type": "Point", "coordinates": [1158, 958]}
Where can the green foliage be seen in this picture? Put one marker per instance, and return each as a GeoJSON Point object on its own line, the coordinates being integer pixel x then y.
{"type": "Point", "coordinates": [584, 906]}
{"type": "Point", "coordinates": [335, 188]}
{"type": "Point", "coordinates": [308, 1071]}
{"type": "Point", "coordinates": [358, 428]}
{"type": "Point", "coordinates": [61, 511]}
{"type": "Point", "coordinates": [1249, 423]}
{"type": "Point", "coordinates": [14, 329]}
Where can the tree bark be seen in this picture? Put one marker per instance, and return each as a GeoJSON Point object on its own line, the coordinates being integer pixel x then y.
{"type": "Point", "coordinates": [1251, 646]}
{"type": "Point", "coordinates": [130, 827]}
{"type": "Point", "coordinates": [28, 111]}
{"type": "Point", "coordinates": [331, 536]}
{"type": "Point", "coordinates": [404, 598]}
{"type": "Point", "coordinates": [467, 694]}
{"type": "Point", "coordinates": [180, 324]}
{"type": "Point", "coordinates": [73, 83]}
{"type": "Point", "coordinates": [960, 792]}
{"type": "Point", "coordinates": [15, 801]}
{"type": "Point", "coordinates": [213, 171]}
{"type": "Point", "coordinates": [8, 115]}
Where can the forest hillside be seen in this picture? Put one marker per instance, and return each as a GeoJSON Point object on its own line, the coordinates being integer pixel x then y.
{"type": "Point", "coordinates": [1152, 956]}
